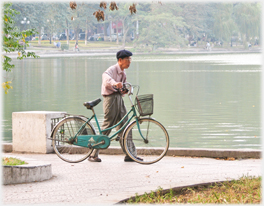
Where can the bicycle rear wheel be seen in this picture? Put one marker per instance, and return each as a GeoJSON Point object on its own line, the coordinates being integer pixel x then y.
{"type": "Point", "coordinates": [62, 145]}
{"type": "Point", "coordinates": [155, 145]}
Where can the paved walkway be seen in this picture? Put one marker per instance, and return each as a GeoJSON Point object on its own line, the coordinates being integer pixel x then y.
{"type": "Point", "coordinates": [113, 180]}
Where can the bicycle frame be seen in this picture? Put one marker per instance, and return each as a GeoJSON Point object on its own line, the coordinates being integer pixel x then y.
{"type": "Point", "coordinates": [132, 110]}
{"type": "Point", "coordinates": [74, 137]}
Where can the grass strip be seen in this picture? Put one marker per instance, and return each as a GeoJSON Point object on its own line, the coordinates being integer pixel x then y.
{"type": "Point", "coordinates": [10, 161]}
{"type": "Point", "coordinates": [246, 190]}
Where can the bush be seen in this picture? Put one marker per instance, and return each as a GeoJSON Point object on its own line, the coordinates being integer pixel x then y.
{"type": "Point", "coordinates": [64, 47]}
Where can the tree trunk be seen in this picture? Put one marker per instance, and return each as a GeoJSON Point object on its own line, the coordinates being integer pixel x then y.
{"type": "Point", "coordinates": [86, 36]}
{"type": "Point", "coordinates": [124, 36]}
{"type": "Point", "coordinates": [117, 40]}
{"type": "Point", "coordinates": [86, 32]}
{"type": "Point", "coordinates": [105, 31]}
{"type": "Point", "coordinates": [244, 39]}
{"type": "Point", "coordinates": [76, 34]}
{"type": "Point", "coordinates": [124, 33]}
{"type": "Point", "coordinates": [136, 30]}
{"type": "Point", "coordinates": [67, 31]}
{"type": "Point", "coordinates": [39, 40]}
{"type": "Point", "coordinates": [110, 31]}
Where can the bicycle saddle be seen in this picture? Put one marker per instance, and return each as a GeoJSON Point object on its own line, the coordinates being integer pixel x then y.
{"type": "Point", "coordinates": [91, 104]}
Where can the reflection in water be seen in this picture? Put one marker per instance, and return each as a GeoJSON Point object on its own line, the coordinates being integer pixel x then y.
{"type": "Point", "coordinates": [204, 101]}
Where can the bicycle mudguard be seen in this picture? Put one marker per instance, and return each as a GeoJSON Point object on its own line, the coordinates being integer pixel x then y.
{"type": "Point", "coordinates": [93, 141]}
{"type": "Point", "coordinates": [134, 122]}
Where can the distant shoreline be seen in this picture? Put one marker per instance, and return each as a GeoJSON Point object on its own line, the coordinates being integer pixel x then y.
{"type": "Point", "coordinates": [112, 51]}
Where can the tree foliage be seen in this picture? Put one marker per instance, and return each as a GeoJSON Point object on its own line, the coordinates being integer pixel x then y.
{"type": "Point", "coordinates": [248, 19]}
{"type": "Point", "coordinates": [159, 23]}
{"type": "Point", "coordinates": [82, 18]}
{"type": "Point", "coordinates": [13, 41]}
{"type": "Point", "coordinates": [159, 27]}
{"type": "Point", "coordinates": [224, 26]}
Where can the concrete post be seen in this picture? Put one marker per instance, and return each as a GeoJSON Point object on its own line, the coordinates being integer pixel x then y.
{"type": "Point", "coordinates": [30, 131]}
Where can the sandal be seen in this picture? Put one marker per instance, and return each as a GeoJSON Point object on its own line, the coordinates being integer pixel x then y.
{"type": "Point", "coordinates": [94, 159]}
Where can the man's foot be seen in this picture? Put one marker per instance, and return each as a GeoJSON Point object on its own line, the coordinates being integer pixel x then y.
{"type": "Point", "coordinates": [128, 159]}
{"type": "Point", "coordinates": [94, 159]}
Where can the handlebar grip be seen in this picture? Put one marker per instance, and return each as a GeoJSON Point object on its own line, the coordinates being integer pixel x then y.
{"type": "Point", "coordinates": [124, 88]}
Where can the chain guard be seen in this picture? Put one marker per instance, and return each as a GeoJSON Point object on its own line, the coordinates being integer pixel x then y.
{"type": "Point", "coordinates": [93, 141]}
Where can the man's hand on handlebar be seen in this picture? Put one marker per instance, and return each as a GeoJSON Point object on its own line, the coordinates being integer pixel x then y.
{"type": "Point", "coordinates": [123, 90]}
{"type": "Point", "coordinates": [121, 87]}
{"type": "Point", "coordinates": [118, 85]}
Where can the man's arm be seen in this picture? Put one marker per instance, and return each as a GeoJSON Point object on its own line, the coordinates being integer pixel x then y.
{"type": "Point", "coordinates": [110, 83]}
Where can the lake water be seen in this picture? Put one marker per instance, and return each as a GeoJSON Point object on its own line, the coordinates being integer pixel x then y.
{"type": "Point", "coordinates": [204, 101]}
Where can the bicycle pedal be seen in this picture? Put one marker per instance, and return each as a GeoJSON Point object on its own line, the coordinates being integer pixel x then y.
{"type": "Point", "coordinates": [118, 138]}
{"type": "Point", "coordinates": [90, 146]}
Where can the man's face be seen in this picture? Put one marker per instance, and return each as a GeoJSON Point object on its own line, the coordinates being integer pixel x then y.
{"type": "Point", "coordinates": [124, 63]}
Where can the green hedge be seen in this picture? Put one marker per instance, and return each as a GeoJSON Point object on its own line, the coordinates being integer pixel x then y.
{"type": "Point", "coordinates": [65, 47]}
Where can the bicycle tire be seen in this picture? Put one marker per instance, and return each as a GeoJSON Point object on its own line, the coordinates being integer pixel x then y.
{"type": "Point", "coordinates": [66, 129]}
{"type": "Point", "coordinates": [150, 151]}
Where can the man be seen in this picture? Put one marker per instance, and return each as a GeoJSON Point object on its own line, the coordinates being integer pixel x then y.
{"type": "Point", "coordinates": [77, 47]}
{"type": "Point", "coordinates": [114, 108]}
{"type": "Point", "coordinates": [59, 44]}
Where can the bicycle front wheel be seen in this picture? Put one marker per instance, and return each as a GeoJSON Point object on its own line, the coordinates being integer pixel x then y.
{"type": "Point", "coordinates": [62, 139]}
{"type": "Point", "coordinates": [147, 142]}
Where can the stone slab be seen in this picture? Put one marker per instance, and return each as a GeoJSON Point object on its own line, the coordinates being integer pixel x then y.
{"type": "Point", "coordinates": [31, 129]}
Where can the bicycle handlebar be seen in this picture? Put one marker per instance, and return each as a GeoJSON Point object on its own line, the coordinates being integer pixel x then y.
{"type": "Point", "coordinates": [131, 88]}
{"type": "Point", "coordinates": [128, 87]}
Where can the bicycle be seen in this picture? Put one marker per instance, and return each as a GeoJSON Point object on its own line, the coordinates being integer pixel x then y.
{"type": "Point", "coordinates": [74, 137]}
